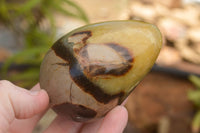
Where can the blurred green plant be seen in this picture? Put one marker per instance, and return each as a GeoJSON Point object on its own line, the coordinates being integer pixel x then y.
{"type": "Point", "coordinates": [194, 96]}
{"type": "Point", "coordinates": [24, 17]}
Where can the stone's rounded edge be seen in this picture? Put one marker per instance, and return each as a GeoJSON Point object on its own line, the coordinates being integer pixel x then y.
{"type": "Point", "coordinates": [84, 28]}
{"type": "Point", "coordinates": [160, 35]}
{"type": "Point", "coordinates": [41, 75]}
{"type": "Point", "coordinates": [49, 76]}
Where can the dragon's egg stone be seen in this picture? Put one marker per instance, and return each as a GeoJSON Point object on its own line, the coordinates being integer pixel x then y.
{"type": "Point", "coordinates": [90, 70]}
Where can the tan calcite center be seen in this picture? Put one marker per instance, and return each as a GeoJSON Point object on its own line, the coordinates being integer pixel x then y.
{"type": "Point", "coordinates": [104, 54]}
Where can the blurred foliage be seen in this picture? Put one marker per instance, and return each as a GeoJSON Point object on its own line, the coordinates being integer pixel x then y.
{"type": "Point", "coordinates": [25, 17]}
{"type": "Point", "coordinates": [194, 96]}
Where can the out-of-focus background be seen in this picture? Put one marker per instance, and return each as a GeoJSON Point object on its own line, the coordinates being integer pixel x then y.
{"type": "Point", "coordinates": [166, 101]}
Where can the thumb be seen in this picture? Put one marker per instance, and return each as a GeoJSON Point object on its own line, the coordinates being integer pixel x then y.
{"type": "Point", "coordinates": [20, 103]}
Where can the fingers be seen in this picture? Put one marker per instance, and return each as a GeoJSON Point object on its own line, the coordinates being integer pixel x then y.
{"type": "Point", "coordinates": [91, 127]}
{"type": "Point", "coordinates": [63, 125]}
{"type": "Point", "coordinates": [115, 121]}
{"type": "Point", "coordinates": [16, 102]}
{"type": "Point", "coordinates": [28, 124]}
{"type": "Point", "coordinates": [24, 125]}
{"type": "Point", "coordinates": [26, 103]}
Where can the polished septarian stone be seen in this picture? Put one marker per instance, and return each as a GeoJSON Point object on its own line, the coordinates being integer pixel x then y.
{"type": "Point", "coordinates": [92, 69]}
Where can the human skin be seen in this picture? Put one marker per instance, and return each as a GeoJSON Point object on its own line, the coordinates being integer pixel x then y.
{"type": "Point", "coordinates": [21, 109]}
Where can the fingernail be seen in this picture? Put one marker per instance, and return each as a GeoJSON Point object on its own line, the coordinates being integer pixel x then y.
{"type": "Point", "coordinates": [34, 92]}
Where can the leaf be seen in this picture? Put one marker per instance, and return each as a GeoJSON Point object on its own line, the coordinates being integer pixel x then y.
{"type": "Point", "coordinates": [195, 80]}
{"type": "Point", "coordinates": [30, 74]}
{"type": "Point", "coordinates": [196, 123]}
{"type": "Point", "coordinates": [24, 57]}
{"type": "Point", "coordinates": [28, 77]}
{"type": "Point", "coordinates": [4, 13]}
{"type": "Point", "coordinates": [79, 9]}
{"type": "Point", "coordinates": [64, 11]}
{"type": "Point", "coordinates": [50, 17]}
{"type": "Point", "coordinates": [36, 37]}
{"type": "Point", "coordinates": [80, 14]}
{"type": "Point", "coordinates": [25, 7]}
{"type": "Point", "coordinates": [194, 96]}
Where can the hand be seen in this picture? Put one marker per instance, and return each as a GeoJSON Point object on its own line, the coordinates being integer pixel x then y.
{"type": "Point", "coordinates": [20, 110]}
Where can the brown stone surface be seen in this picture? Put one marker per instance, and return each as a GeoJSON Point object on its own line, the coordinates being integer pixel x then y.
{"type": "Point", "coordinates": [161, 96]}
